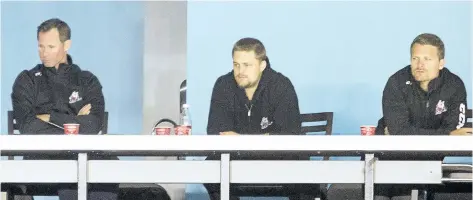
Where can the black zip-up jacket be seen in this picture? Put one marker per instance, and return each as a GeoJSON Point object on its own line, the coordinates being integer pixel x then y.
{"type": "Point", "coordinates": [274, 108]}
{"type": "Point", "coordinates": [60, 93]}
{"type": "Point", "coordinates": [409, 110]}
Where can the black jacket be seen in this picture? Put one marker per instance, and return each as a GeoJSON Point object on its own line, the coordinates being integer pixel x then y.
{"type": "Point", "coordinates": [60, 93]}
{"type": "Point", "coordinates": [408, 110]}
{"type": "Point", "coordinates": [274, 107]}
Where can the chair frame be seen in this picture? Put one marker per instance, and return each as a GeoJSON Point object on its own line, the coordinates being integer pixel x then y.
{"type": "Point", "coordinates": [318, 117]}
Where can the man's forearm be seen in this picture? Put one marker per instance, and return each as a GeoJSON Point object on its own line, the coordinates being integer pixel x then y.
{"type": "Point", "coordinates": [229, 133]}
{"type": "Point", "coordinates": [410, 130]}
{"type": "Point", "coordinates": [38, 126]}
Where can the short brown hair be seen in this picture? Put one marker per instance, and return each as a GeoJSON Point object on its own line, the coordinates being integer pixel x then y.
{"type": "Point", "coordinates": [250, 44]}
{"type": "Point", "coordinates": [430, 39]}
{"type": "Point", "coordinates": [61, 26]}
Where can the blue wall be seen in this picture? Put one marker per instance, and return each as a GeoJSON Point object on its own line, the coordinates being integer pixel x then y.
{"type": "Point", "coordinates": [338, 55]}
{"type": "Point", "coordinates": [107, 39]}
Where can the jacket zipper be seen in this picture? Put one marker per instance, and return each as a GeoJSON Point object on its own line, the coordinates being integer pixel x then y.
{"type": "Point", "coordinates": [427, 105]}
{"type": "Point", "coordinates": [428, 100]}
{"type": "Point", "coordinates": [249, 115]}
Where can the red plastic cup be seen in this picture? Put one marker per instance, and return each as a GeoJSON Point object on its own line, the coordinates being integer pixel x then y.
{"type": "Point", "coordinates": [183, 130]}
{"type": "Point", "coordinates": [71, 129]}
{"type": "Point", "coordinates": [368, 130]}
{"type": "Point", "coordinates": [162, 131]}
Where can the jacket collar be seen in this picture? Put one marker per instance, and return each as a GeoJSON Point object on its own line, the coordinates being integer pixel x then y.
{"type": "Point", "coordinates": [63, 67]}
{"type": "Point", "coordinates": [435, 83]}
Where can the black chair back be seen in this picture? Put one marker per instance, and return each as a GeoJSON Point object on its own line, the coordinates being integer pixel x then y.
{"type": "Point", "coordinates": [317, 117]}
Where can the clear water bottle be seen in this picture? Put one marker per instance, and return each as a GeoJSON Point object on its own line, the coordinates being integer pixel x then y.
{"type": "Point", "coordinates": [185, 122]}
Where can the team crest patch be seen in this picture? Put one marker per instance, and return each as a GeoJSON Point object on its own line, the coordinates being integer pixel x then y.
{"type": "Point", "coordinates": [440, 108]}
{"type": "Point", "coordinates": [265, 123]}
{"type": "Point", "coordinates": [74, 97]}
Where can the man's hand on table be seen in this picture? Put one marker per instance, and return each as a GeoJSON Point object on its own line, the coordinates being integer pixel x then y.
{"type": "Point", "coordinates": [228, 133]}
{"type": "Point", "coordinates": [386, 131]}
{"type": "Point", "coordinates": [44, 117]}
{"type": "Point", "coordinates": [234, 133]}
{"type": "Point", "coordinates": [462, 131]}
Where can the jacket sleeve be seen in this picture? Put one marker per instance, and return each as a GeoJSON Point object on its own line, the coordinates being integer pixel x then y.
{"type": "Point", "coordinates": [221, 110]}
{"type": "Point", "coordinates": [91, 123]}
{"type": "Point", "coordinates": [396, 114]}
{"type": "Point", "coordinates": [24, 110]}
{"type": "Point", "coordinates": [287, 114]}
{"type": "Point", "coordinates": [455, 117]}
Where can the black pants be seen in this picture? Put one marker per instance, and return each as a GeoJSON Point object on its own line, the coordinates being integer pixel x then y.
{"type": "Point", "coordinates": [214, 192]}
{"type": "Point", "coordinates": [454, 191]}
{"type": "Point", "coordinates": [294, 191]}
{"type": "Point", "coordinates": [94, 192]}
{"type": "Point", "coordinates": [396, 191]}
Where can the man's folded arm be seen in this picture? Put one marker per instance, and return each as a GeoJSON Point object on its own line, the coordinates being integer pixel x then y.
{"type": "Point", "coordinates": [455, 115]}
{"type": "Point", "coordinates": [23, 109]}
{"type": "Point", "coordinates": [91, 123]}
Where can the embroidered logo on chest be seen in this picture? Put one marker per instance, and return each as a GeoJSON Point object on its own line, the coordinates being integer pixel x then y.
{"type": "Point", "coordinates": [440, 108]}
{"type": "Point", "coordinates": [265, 123]}
{"type": "Point", "coordinates": [74, 97]}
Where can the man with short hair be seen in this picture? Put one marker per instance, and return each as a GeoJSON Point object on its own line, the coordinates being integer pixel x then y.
{"type": "Point", "coordinates": [424, 98]}
{"type": "Point", "coordinates": [57, 92]}
{"type": "Point", "coordinates": [253, 99]}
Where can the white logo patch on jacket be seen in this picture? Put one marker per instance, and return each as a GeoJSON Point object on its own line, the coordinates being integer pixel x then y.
{"type": "Point", "coordinates": [440, 108]}
{"type": "Point", "coordinates": [265, 123]}
{"type": "Point", "coordinates": [74, 97]}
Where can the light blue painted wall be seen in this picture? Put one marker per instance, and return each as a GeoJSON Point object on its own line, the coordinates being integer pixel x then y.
{"type": "Point", "coordinates": [107, 39]}
{"type": "Point", "coordinates": [338, 55]}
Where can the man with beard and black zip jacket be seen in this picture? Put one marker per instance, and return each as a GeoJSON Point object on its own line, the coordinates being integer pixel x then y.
{"type": "Point", "coordinates": [59, 92]}
{"type": "Point", "coordinates": [424, 98]}
{"type": "Point", "coordinates": [254, 99]}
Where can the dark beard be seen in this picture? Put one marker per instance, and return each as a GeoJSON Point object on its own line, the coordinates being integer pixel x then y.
{"type": "Point", "coordinates": [250, 85]}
